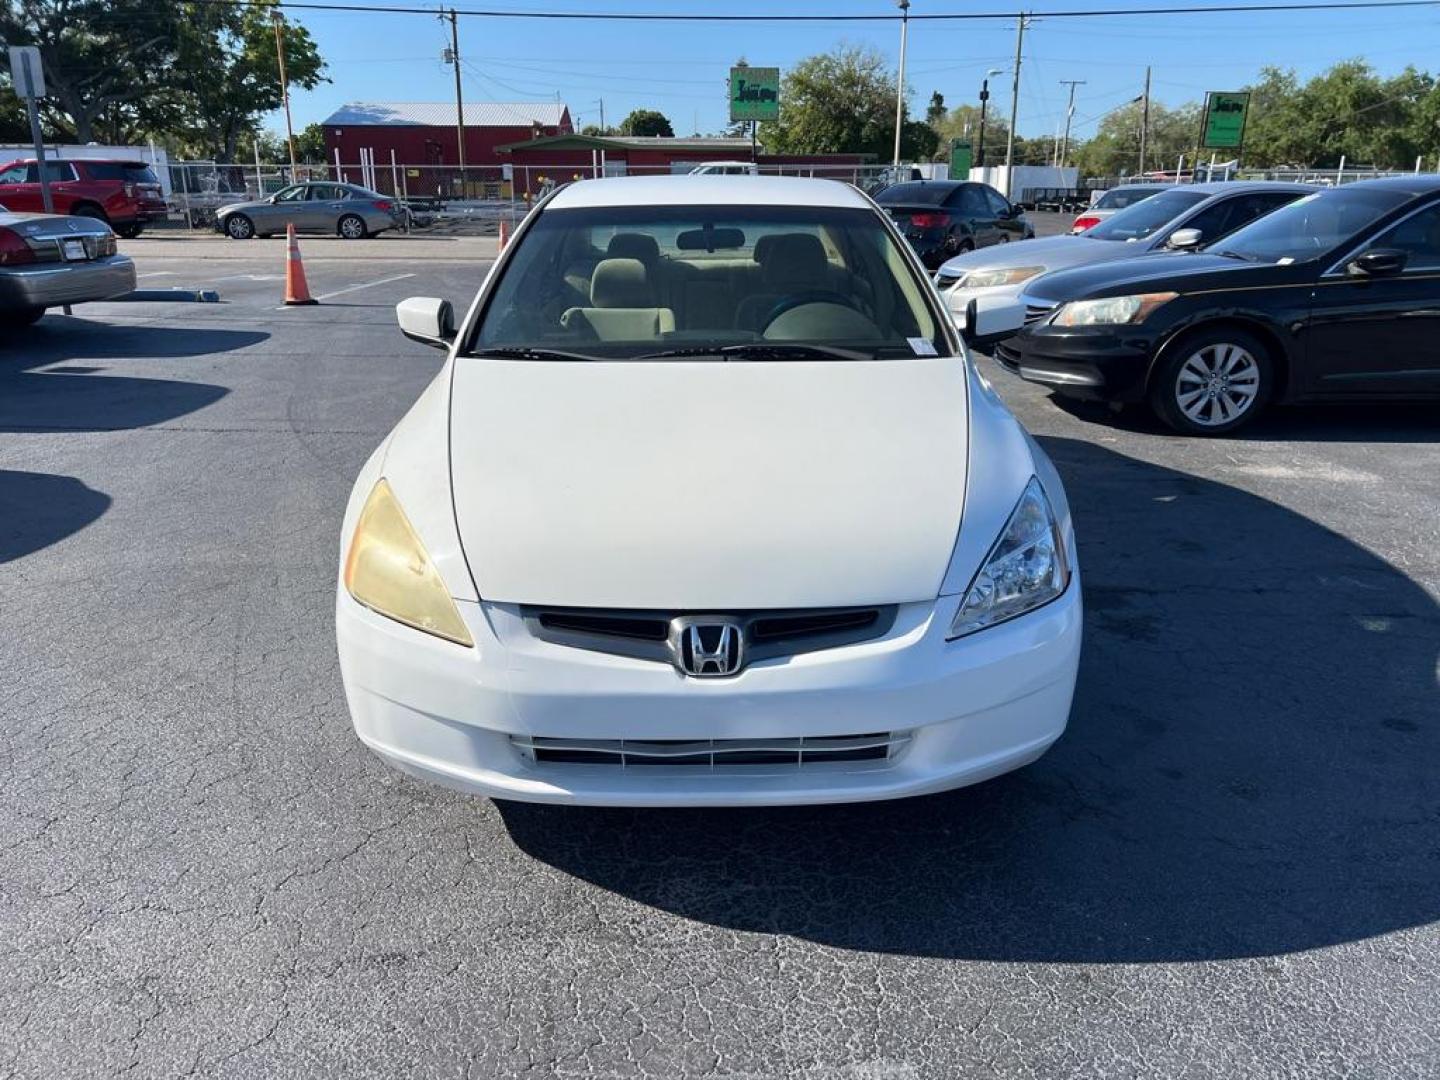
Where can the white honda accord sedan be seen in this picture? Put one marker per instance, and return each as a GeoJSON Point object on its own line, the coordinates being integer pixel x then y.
{"type": "Point", "coordinates": [707, 506]}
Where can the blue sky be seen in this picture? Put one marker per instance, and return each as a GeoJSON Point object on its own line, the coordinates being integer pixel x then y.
{"type": "Point", "coordinates": [680, 68]}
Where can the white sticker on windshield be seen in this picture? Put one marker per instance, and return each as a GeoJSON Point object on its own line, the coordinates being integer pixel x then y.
{"type": "Point", "coordinates": [922, 346]}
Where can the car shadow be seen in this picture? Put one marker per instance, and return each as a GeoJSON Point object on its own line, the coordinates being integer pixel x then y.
{"type": "Point", "coordinates": [1337, 422]}
{"type": "Point", "coordinates": [84, 388]}
{"type": "Point", "coordinates": [40, 509]}
{"type": "Point", "coordinates": [1249, 768]}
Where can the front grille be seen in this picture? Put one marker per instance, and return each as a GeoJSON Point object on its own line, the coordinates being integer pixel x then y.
{"type": "Point", "coordinates": [1035, 312]}
{"type": "Point", "coordinates": [712, 753]}
{"type": "Point", "coordinates": [945, 281]}
{"type": "Point", "coordinates": [1007, 356]}
{"type": "Point", "coordinates": [645, 635]}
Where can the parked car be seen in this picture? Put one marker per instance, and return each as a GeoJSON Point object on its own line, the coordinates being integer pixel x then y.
{"type": "Point", "coordinates": [346, 210]}
{"type": "Point", "coordinates": [47, 260]}
{"type": "Point", "coordinates": [944, 218]}
{"type": "Point", "coordinates": [726, 168]}
{"type": "Point", "coordinates": [731, 531]}
{"type": "Point", "coordinates": [124, 194]}
{"type": "Point", "coordinates": [993, 280]}
{"type": "Point", "coordinates": [1108, 203]}
{"type": "Point", "coordinates": [1336, 296]}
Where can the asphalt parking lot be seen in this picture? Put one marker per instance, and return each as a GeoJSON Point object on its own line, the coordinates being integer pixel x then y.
{"type": "Point", "coordinates": [1230, 865]}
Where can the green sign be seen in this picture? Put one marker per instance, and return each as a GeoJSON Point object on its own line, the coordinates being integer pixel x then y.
{"type": "Point", "coordinates": [960, 159]}
{"type": "Point", "coordinates": [1224, 120]}
{"type": "Point", "coordinates": [754, 93]}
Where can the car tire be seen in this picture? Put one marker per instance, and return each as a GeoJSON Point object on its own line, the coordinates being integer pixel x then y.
{"type": "Point", "coordinates": [21, 317]}
{"type": "Point", "coordinates": [90, 210]}
{"type": "Point", "coordinates": [351, 227]}
{"type": "Point", "coordinates": [130, 232]}
{"type": "Point", "coordinates": [239, 227]}
{"type": "Point", "coordinates": [1211, 382]}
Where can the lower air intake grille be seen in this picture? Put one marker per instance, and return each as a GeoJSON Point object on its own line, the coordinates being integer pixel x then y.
{"type": "Point", "coordinates": [712, 753]}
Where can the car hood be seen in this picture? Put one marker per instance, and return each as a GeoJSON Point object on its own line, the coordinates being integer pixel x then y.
{"type": "Point", "coordinates": [1051, 252]}
{"type": "Point", "coordinates": [1168, 271]}
{"type": "Point", "coordinates": [693, 485]}
{"type": "Point", "coordinates": [254, 204]}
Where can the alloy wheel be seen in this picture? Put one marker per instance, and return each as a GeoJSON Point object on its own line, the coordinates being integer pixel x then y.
{"type": "Point", "coordinates": [1217, 384]}
{"type": "Point", "coordinates": [352, 228]}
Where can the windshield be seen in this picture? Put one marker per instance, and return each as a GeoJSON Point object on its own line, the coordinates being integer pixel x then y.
{"type": "Point", "coordinates": [1144, 218]}
{"type": "Point", "coordinates": [1119, 198]}
{"type": "Point", "coordinates": [765, 282]}
{"type": "Point", "coordinates": [1309, 227]}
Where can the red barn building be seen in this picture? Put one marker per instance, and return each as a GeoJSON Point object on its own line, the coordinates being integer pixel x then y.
{"type": "Point", "coordinates": [423, 133]}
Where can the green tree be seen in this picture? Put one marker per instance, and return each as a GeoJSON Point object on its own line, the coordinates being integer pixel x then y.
{"type": "Point", "coordinates": [963, 122]}
{"type": "Point", "coordinates": [310, 144]}
{"type": "Point", "coordinates": [843, 102]}
{"type": "Point", "coordinates": [102, 59]}
{"type": "Point", "coordinates": [646, 122]}
{"type": "Point", "coordinates": [935, 111]}
{"type": "Point", "coordinates": [228, 75]}
{"type": "Point", "coordinates": [1115, 148]}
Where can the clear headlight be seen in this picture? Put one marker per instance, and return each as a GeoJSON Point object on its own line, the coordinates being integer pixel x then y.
{"type": "Point", "coordinates": [987, 279]}
{"type": "Point", "coordinates": [1024, 570]}
{"type": "Point", "coordinates": [388, 570]}
{"type": "Point", "coordinates": [1112, 311]}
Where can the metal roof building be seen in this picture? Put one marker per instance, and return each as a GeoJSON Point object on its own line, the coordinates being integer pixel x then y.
{"type": "Point", "coordinates": [423, 133]}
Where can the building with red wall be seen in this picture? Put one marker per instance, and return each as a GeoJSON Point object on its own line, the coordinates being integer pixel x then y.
{"type": "Point", "coordinates": [424, 133]}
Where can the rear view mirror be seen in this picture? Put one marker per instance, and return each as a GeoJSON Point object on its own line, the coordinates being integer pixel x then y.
{"type": "Point", "coordinates": [1185, 239]}
{"type": "Point", "coordinates": [1378, 262]}
{"type": "Point", "coordinates": [710, 239]}
{"type": "Point", "coordinates": [427, 319]}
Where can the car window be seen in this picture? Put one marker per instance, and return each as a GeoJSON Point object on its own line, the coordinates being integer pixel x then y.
{"type": "Point", "coordinates": [1418, 236]}
{"type": "Point", "coordinates": [1144, 218]}
{"type": "Point", "coordinates": [293, 193]}
{"type": "Point", "coordinates": [971, 202]}
{"type": "Point", "coordinates": [1215, 220]}
{"type": "Point", "coordinates": [57, 172]}
{"type": "Point", "coordinates": [1313, 225]}
{"type": "Point", "coordinates": [131, 172]}
{"type": "Point", "coordinates": [327, 193]}
{"type": "Point", "coordinates": [620, 282]}
{"type": "Point", "coordinates": [1120, 198]}
{"type": "Point", "coordinates": [15, 174]}
{"type": "Point", "coordinates": [933, 194]}
{"type": "Point", "coordinates": [998, 206]}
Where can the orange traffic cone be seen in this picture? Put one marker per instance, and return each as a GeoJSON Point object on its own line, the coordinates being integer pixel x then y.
{"type": "Point", "coordinates": [504, 235]}
{"type": "Point", "coordinates": [296, 291]}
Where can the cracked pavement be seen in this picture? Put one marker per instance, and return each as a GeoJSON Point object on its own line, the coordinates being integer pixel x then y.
{"type": "Point", "coordinates": [1230, 865]}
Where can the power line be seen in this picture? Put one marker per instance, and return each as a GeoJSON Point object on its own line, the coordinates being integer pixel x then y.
{"type": "Point", "coordinates": [970, 16]}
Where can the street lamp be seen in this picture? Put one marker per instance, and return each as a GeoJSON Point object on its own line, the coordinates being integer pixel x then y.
{"type": "Point", "coordinates": [984, 97]}
{"type": "Point", "coordinates": [904, 6]}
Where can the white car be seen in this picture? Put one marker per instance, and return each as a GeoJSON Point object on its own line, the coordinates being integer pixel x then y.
{"type": "Point", "coordinates": [707, 506]}
{"type": "Point", "coordinates": [1188, 216]}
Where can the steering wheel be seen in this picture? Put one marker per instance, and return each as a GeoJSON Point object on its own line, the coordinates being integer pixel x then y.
{"type": "Point", "coordinates": [814, 296]}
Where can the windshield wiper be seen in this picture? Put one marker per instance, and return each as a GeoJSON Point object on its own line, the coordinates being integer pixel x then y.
{"type": "Point", "coordinates": [519, 352]}
{"type": "Point", "coordinates": [763, 351]}
{"type": "Point", "coordinates": [1232, 255]}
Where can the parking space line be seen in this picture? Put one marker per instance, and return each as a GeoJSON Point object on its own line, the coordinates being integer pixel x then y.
{"type": "Point", "coordinates": [357, 288]}
{"type": "Point", "coordinates": [157, 273]}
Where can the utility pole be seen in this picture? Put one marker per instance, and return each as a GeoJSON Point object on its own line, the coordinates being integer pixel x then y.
{"type": "Point", "coordinates": [1145, 121]}
{"type": "Point", "coordinates": [459, 100]}
{"type": "Point", "coordinates": [904, 6]}
{"type": "Point", "coordinates": [1020, 21]}
{"type": "Point", "coordinates": [1069, 115]}
{"type": "Point", "coordinates": [284, 86]}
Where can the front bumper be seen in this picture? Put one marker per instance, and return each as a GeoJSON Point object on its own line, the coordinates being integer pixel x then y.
{"type": "Point", "coordinates": [973, 708]}
{"type": "Point", "coordinates": [1101, 363]}
{"type": "Point", "coordinates": [52, 284]}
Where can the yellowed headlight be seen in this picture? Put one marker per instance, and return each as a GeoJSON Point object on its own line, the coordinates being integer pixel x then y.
{"type": "Point", "coordinates": [388, 570]}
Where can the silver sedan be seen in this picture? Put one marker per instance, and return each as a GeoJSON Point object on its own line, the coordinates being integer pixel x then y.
{"type": "Point", "coordinates": [346, 210]}
{"type": "Point", "coordinates": [47, 260]}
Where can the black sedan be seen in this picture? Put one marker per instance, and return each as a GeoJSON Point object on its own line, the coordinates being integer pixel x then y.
{"type": "Point", "coordinates": [944, 218]}
{"type": "Point", "coordinates": [1335, 296]}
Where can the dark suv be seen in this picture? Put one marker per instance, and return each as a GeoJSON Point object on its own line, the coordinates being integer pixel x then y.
{"type": "Point", "coordinates": [945, 218]}
{"type": "Point", "coordinates": [125, 194]}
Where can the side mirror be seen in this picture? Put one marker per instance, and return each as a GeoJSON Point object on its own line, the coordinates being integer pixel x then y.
{"type": "Point", "coordinates": [1378, 262]}
{"type": "Point", "coordinates": [1185, 239]}
{"type": "Point", "coordinates": [427, 319]}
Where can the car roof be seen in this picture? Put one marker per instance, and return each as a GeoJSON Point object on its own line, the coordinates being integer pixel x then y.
{"type": "Point", "coordinates": [1144, 186]}
{"type": "Point", "coordinates": [692, 190]}
{"type": "Point", "coordinates": [1224, 187]}
{"type": "Point", "coordinates": [1410, 184]}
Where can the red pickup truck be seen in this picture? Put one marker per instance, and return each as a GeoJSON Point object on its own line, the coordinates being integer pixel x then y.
{"type": "Point", "coordinates": [124, 194]}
